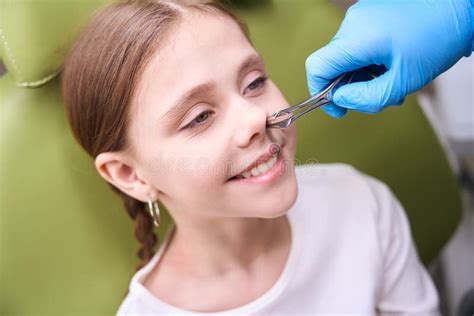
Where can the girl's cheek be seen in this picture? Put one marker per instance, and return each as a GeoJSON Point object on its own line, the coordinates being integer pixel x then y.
{"type": "Point", "coordinates": [206, 171]}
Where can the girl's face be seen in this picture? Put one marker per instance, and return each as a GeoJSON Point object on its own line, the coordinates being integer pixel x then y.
{"type": "Point", "coordinates": [199, 119]}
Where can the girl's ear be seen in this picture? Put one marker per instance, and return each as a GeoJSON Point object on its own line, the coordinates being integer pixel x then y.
{"type": "Point", "coordinates": [116, 169]}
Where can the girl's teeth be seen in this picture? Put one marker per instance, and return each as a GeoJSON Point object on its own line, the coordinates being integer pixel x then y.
{"type": "Point", "coordinates": [254, 172]}
{"type": "Point", "coordinates": [261, 168]}
{"type": "Point", "coordinates": [272, 161]}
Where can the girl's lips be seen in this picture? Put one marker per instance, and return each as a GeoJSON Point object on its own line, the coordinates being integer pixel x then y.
{"type": "Point", "coordinates": [268, 177]}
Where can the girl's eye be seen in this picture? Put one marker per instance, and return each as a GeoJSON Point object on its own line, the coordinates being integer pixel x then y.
{"type": "Point", "coordinates": [256, 84]}
{"type": "Point", "coordinates": [199, 119]}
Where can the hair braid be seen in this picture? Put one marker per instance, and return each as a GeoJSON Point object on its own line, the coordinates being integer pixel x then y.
{"type": "Point", "coordinates": [144, 229]}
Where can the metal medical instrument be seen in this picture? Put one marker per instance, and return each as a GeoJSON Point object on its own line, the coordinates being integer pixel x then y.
{"type": "Point", "coordinates": [286, 117]}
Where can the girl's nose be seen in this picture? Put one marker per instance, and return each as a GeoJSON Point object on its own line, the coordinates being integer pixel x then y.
{"type": "Point", "coordinates": [251, 123]}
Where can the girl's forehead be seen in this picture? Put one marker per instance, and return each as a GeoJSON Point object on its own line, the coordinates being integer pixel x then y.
{"type": "Point", "coordinates": [202, 35]}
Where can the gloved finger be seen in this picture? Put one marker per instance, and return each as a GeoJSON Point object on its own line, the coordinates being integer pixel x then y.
{"type": "Point", "coordinates": [400, 102]}
{"type": "Point", "coordinates": [334, 110]}
{"type": "Point", "coordinates": [327, 63]}
{"type": "Point", "coordinates": [367, 96]}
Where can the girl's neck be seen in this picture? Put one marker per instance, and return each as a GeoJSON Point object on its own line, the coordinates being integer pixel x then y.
{"type": "Point", "coordinates": [219, 246]}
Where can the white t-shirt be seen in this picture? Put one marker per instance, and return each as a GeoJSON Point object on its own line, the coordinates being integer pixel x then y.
{"type": "Point", "coordinates": [351, 254]}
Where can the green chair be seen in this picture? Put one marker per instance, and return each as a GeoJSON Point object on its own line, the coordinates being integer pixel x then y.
{"type": "Point", "coordinates": [67, 245]}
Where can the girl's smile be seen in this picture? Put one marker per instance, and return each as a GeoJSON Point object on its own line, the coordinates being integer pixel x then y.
{"type": "Point", "coordinates": [265, 170]}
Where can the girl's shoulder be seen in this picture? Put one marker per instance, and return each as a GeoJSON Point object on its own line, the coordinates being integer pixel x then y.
{"type": "Point", "coordinates": [337, 178]}
{"type": "Point", "coordinates": [342, 187]}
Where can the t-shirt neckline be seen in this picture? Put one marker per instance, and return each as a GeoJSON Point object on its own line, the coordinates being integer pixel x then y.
{"type": "Point", "coordinates": [253, 306]}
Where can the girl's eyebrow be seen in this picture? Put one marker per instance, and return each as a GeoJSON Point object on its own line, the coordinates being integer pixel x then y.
{"type": "Point", "coordinates": [251, 62]}
{"type": "Point", "coordinates": [181, 106]}
{"type": "Point", "coordinates": [175, 112]}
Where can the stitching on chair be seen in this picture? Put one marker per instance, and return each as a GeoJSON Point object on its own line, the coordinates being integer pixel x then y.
{"type": "Point", "coordinates": [9, 52]}
{"type": "Point", "coordinates": [22, 83]}
{"type": "Point", "coordinates": [37, 83]}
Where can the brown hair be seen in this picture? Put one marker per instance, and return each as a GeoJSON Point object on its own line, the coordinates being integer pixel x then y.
{"type": "Point", "coordinates": [100, 76]}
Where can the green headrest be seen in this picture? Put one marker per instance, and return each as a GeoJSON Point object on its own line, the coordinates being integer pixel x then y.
{"type": "Point", "coordinates": [35, 36]}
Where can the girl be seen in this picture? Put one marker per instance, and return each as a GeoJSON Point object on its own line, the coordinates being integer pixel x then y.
{"type": "Point", "coordinates": [170, 98]}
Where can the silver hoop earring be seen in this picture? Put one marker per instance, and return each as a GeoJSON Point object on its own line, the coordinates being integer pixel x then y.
{"type": "Point", "coordinates": [154, 212]}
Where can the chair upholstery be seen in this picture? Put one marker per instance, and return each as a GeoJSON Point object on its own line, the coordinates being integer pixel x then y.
{"type": "Point", "coordinates": [67, 245]}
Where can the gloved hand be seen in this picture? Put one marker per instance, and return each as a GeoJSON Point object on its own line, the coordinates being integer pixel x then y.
{"type": "Point", "coordinates": [416, 40]}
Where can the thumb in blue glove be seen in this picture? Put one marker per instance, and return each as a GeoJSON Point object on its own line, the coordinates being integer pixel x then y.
{"type": "Point", "coordinates": [416, 40]}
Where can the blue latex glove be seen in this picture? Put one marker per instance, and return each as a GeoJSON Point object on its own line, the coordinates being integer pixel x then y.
{"type": "Point", "coordinates": [416, 40]}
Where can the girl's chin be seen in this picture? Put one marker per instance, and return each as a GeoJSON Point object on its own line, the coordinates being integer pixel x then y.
{"type": "Point", "coordinates": [270, 203]}
{"type": "Point", "coordinates": [275, 209]}
{"type": "Point", "coordinates": [278, 214]}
